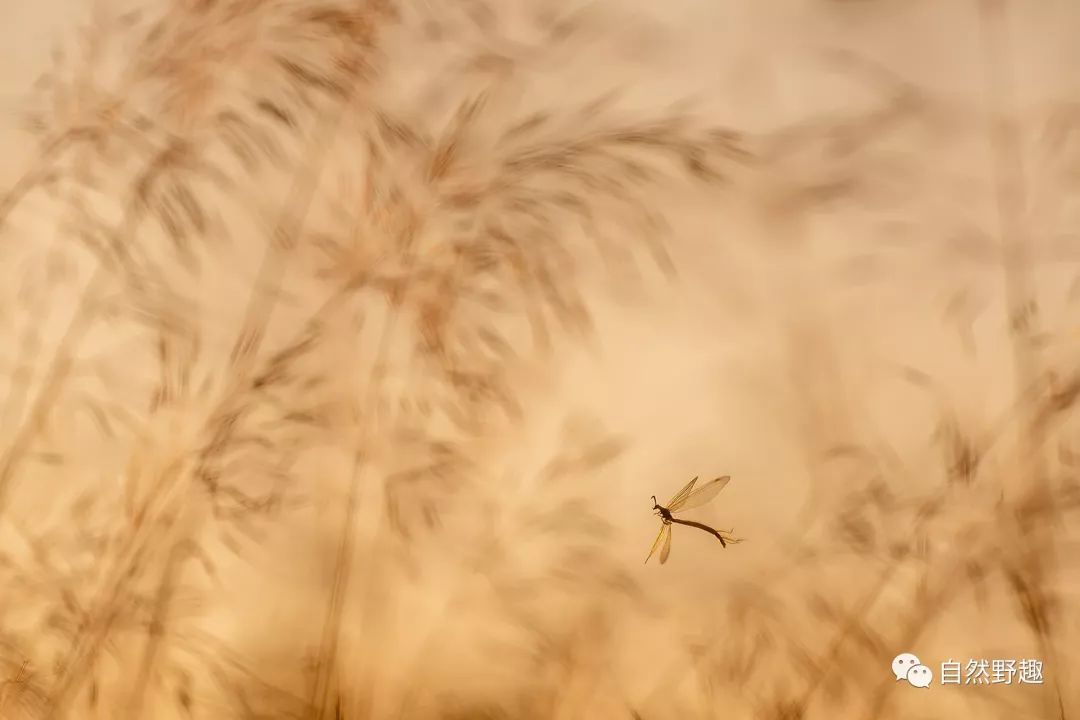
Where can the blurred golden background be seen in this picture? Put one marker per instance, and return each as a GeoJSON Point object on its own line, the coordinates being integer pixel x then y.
{"type": "Point", "coordinates": [344, 342]}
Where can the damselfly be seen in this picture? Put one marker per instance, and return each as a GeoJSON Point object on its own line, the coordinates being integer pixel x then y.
{"type": "Point", "coordinates": [686, 499]}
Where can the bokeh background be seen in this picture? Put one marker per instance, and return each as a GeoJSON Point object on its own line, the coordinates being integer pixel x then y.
{"type": "Point", "coordinates": [343, 344]}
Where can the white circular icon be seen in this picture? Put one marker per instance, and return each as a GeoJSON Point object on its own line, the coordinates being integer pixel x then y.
{"type": "Point", "coordinates": [920, 676]}
{"type": "Point", "coordinates": [902, 663]}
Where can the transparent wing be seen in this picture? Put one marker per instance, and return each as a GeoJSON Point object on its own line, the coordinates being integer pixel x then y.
{"type": "Point", "coordinates": [681, 495]}
{"type": "Point", "coordinates": [667, 544]}
{"type": "Point", "coordinates": [656, 543]}
{"type": "Point", "coordinates": [702, 495]}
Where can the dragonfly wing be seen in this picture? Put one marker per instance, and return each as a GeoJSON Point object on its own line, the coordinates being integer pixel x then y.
{"type": "Point", "coordinates": [681, 495]}
{"type": "Point", "coordinates": [666, 550]}
{"type": "Point", "coordinates": [702, 495]}
{"type": "Point", "coordinates": [656, 542]}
